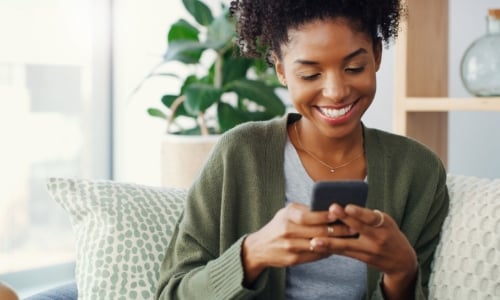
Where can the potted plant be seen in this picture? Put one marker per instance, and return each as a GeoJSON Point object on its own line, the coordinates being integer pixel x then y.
{"type": "Point", "coordinates": [222, 90]}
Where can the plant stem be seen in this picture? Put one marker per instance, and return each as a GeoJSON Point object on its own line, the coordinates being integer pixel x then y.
{"type": "Point", "coordinates": [203, 124]}
{"type": "Point", "coordinates": [218, 71]}
{"type": "Point", "coordinates": [173, 108]}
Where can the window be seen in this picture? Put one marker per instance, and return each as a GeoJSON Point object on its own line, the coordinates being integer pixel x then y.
{"type": "Point", "coordinates": [54, 120]}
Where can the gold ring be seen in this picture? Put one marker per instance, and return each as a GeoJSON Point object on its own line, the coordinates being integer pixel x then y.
{"type": "Point", "coordinates": [311, 246]}
{"type": "Point", "coordinates": [330, 230]}
{"type": "Point", "coordinates": [381, 222]}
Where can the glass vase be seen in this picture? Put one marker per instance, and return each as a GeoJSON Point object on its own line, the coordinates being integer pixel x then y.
{"type": "Point", "coordinates": [480, 65]}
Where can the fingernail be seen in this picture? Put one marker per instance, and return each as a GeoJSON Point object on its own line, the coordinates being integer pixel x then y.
{"type": "Point", "coordinates": [317, 243]}
{"type": "Point", "coordinates": [351, 209]}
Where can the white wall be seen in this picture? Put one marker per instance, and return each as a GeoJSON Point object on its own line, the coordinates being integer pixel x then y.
{"type": "Point", "coordinates": [379, 115]}
{"type": "Point", "coordinates": [140, 30]}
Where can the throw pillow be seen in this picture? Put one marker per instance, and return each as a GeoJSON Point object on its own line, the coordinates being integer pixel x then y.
{"type": "Point", "coordinates": [122, 231]}
{"type": "Point", "coordinates": [467, 260]}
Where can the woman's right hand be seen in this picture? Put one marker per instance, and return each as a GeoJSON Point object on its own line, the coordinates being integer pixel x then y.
{"type": "Point", "coordinates": [285, 240]}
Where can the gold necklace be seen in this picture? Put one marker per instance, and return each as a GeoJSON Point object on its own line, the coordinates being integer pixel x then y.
{"type": "Point", "coordinates": [331, 168]}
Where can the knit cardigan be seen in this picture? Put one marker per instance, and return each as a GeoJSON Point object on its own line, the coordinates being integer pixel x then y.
{"type": "Point", "coordinates": [242, 186]}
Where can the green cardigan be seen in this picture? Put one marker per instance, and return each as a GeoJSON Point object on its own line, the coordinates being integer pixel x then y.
{"type": "Point", "coordinates": [242, 186]}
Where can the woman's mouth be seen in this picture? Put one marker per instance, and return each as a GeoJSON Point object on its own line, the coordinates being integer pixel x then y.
{"type": "Point", "coordinates": [335, 113]}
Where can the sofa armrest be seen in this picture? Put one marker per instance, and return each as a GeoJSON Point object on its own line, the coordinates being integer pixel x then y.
{"type": "Point", "coordinates": [467, 259]}
{"type": "Point", "coordinates": [66, 291]}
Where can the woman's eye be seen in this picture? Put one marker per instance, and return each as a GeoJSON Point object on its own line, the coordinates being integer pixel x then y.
{"type": "Point", "coordinates": [309, 77]}
{"type": "Point", "coordinates": [355, 70]}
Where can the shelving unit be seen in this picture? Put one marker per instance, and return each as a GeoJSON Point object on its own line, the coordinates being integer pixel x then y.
{"type": "Point", "coordinates": [421, 102]}
{"type": "Point", "coordinates": [443, 104]}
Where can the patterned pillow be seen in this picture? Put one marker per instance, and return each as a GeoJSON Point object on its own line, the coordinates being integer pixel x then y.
{"type": "Point", "coordinates": [467, 260]}
{"type": "Point", "coordinates": [121, 232]}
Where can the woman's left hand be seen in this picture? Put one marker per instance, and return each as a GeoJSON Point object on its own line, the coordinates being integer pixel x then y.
{"type": "Point", "coordinates": [380, 244]}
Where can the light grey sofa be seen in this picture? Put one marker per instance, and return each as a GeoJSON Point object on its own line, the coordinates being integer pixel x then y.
{"type": "Point", "coordinates": [467, 260]}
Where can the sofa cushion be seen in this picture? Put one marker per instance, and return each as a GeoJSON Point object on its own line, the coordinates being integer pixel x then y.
{"type": "Point", "coordinates": [121, 232]}
{"type": "Point", "coordinates": [467, 260]}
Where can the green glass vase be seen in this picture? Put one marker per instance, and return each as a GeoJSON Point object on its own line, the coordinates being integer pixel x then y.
{"type": "Point", "coordinates": [480, 65]}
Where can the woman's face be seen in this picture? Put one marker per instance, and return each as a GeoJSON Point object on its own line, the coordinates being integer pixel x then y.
{"type": "Point", "coordinates": [329, 69]}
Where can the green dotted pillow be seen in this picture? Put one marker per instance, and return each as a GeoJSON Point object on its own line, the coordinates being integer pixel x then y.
{"type": "Point", "coordinates": [122, 231]}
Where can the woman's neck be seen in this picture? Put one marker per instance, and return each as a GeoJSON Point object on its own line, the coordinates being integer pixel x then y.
{"type": "Point", "coordinates": [335, 148]}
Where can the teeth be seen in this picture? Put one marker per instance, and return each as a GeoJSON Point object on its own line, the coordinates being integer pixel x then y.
{"type": "Point", "coordinates": [335, 113]}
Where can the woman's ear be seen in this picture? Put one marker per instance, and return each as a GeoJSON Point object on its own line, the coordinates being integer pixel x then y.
{"type": "Point", "coordinates": [280, 69]}
{"type": "Point", "coordinates": [377, 52]}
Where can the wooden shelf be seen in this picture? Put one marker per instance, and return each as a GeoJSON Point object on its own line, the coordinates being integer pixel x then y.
{"type": "Point", "coordinates": [421, 100]}
{"type": "Point", "coordinates": [444, 104]}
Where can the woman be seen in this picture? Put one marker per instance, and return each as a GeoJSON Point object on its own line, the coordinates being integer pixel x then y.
{"type": "Point", "coordinates": [247, 231]}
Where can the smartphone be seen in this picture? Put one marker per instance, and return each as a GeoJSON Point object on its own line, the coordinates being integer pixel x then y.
{"type": "Point", "coordinates": [325, 193]}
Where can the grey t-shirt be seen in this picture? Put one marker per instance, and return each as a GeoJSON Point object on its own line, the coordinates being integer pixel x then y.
{"type": "Point", "coordinates": [336, 277]}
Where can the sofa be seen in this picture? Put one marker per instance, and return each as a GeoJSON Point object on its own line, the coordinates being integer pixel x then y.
{"type": "Point", "coordinates": [122, 230]}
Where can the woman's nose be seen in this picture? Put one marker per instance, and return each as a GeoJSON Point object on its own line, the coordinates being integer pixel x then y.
{"type": "Point", "coordinates": [335, 88]}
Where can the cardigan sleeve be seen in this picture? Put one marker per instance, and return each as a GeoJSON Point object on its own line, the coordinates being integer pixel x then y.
{"type": "Point", "coordinates": [203, 259]}
{"type": "Point", "coordinates": [184, 277]}
{"type": "Point", "coordinates": [416, 196]}
{"type": "Point", "coordinates": [429, 239]}
{"type": "Point", "coordinates": [425, 248]}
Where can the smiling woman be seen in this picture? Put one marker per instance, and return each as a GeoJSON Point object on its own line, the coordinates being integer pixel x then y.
{"type": "Point", "coordinates": [260, 176]}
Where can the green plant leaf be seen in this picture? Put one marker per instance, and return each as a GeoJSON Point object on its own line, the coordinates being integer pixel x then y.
{"type": "Point", "coordinates": [183, 43]}
{"type": "Point", "coordinates": [182, 31]}
{"type": "Point", "coordinates": [220, 33]}
{"type": "Point", "coordinates": [187, 82]}
{"type": "Point", "coordinates": [192, 79]}
{"type": "Point", "coordinates": [200, 96]}
{"type": "Point", "coordinates": [228, 116]}
{"type": "Point", "coordinates": [234, 67]}
{"type": "Point", "coordinates": [188, 52]}
{"type": "Point", "coordinates": [199, 10]}
{"type": "Point", "coordinates": [167, 100]}
{"type": "Point", "coordinates": [155, 112]}
{"type": "Point", "coordinates": [259, 93]}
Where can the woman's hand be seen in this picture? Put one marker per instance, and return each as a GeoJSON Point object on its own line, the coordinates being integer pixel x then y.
{"type": "Point", "coordinates": [297, 235]}
{"type": "Point", "coordinates": [380, 244]}
{"type": "Point", "coordinates": [286, 240]}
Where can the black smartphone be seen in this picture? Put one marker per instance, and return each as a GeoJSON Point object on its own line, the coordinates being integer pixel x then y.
{"type": "Point", "coordinates": [325, 193]}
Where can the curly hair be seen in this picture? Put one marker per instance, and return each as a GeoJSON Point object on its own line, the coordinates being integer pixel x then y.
{"type": "Point", "coordinates": [262, 25]}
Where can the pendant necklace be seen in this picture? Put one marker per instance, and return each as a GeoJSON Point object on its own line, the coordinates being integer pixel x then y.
{"type": "Point", "coordinates": [331, 168]}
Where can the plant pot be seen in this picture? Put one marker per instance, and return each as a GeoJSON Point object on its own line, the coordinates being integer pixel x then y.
{"type": "Point", "coordinates": [182, 158]}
